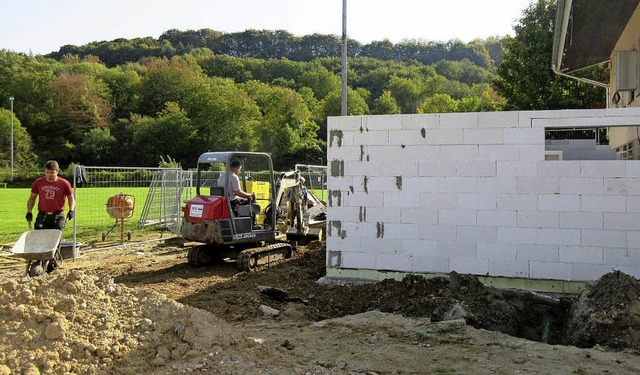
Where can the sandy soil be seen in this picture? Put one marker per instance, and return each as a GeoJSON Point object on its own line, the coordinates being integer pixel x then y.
{"type": "Point", "coordinates": [140, 309]}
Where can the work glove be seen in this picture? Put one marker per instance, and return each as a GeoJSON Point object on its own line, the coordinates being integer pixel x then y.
{"type": "Point", "coordinates": [71, 214]}
{"type": "Point", "coordinates": [29, 216]}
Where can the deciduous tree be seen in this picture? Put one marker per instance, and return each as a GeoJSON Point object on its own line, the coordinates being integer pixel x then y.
{"type": "Point", "coordinates": [285, 127]}
{"type": "Point", "coordinates": [438, 103]}
{"type": "Point", "coordinates": [525, 78]}
{"type": "Point", "coordinates": [97, 148]}
{"type": "Point", "coordinates": [224, 117]}
{"type": "Point", "coordinates": [170, 133]}
{"type": "Point", "coordinates": [167, 80]}
{"type": "Point", "coordinates": [385, 104]}
{"type": "Point", "coordinates": [22, 145]}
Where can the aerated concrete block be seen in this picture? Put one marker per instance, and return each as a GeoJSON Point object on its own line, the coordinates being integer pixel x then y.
{"type": "Point", "coordinates": [470, 265]}
{"type": "Point", "coordinates": [508, 268]}
{"type": "Point", "coordinates": [580, 254]}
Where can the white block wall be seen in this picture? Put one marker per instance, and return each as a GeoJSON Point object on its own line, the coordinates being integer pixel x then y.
{"type": "Point", "coordinates": [472, 193]}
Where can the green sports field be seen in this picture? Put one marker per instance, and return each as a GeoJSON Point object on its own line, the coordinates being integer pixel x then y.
{"type": "Point", "coordinates": [90, 202]}
{"type": "Point", "coordinates": [12, 211]}
{"type": "Point", "coordinates": [14, 208]}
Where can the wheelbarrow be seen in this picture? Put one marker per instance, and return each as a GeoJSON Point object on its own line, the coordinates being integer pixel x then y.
{"type": "Point", "coordinates": [39, 248]}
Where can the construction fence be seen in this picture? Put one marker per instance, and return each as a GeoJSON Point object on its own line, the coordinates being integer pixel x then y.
{"type": "Point", "coordinates": [118, 204]}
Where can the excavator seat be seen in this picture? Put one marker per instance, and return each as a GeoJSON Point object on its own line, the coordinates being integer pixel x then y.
{"type": "Point", "coordinates": [217, 191]}
{"type": "Point", "coordinates": [243, 210]}
{"type": "Point", "coordinates": [248, 210]}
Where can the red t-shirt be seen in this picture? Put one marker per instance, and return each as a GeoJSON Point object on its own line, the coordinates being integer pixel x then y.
{"type": "Point", "coordinates": [51, 195]}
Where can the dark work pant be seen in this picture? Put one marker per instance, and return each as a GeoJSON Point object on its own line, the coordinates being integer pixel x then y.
{"type": "Point", "coordinates": [54, 220]}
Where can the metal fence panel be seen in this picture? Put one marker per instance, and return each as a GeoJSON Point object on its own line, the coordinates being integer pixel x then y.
{"type": "Point", "coordinates": [161, 203]}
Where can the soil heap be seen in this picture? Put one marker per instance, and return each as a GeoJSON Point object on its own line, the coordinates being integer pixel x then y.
{"type": "Point", "coordinates": [82, 324]}
{"type": "Point", "coordinates": [143, 310]}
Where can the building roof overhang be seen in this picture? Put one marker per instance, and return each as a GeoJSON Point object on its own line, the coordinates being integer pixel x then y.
{"type": "Point", "coordinates": [586, 31]}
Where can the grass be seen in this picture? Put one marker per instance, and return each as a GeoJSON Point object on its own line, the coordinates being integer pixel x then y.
{"type": "Point", "coordinates": [14, 208]}
{"type": "Point", "coordinates": [12, 212]}
{"type": "Point", "coordinates": [320, 194]}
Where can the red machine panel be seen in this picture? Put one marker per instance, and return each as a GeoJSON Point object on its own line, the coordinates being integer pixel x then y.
{"type": "Point", "coordinates": [204, 207]}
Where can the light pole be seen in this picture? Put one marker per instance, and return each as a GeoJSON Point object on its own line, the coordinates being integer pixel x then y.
{"type": "Point", "coordinates": [343, 104]}
{"type": "Point", "coordinates": [11, 100]}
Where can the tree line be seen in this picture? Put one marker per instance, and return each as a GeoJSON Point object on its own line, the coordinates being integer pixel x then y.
{"type": "Point", "coordinates": [78, 109]}
{"type": "Point", "coordinates": [281, 44]}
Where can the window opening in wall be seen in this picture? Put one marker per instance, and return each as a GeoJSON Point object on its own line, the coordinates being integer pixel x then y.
{"type": "Point", "coordinates": [597, 134]}
{"type": "Point", "coordinates": [593, 143]}
{"type": "Point", "coordinates": [626, 152]}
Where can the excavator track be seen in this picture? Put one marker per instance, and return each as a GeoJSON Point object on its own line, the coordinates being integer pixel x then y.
{"type": "Point", "coordinates": [200, 256]}
{"type": "Point", "coordinates": [256, 258]}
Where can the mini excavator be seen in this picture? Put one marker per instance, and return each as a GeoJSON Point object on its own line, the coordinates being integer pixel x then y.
{"type": "Point", "coordinates": [256, 233]}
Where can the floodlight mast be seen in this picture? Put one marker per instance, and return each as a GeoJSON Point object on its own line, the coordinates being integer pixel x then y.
{"type": "Point", "coordinates": [343, 110]}
{"type": "Point", "coordinates": [11, 100]}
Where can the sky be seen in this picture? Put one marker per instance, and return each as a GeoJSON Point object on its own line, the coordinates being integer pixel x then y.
{"type": "Point", "coordinates": [43, 26]}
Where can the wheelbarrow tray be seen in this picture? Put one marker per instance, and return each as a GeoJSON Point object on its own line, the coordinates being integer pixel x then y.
{"type": "Point", "coordinates": [39, 244]}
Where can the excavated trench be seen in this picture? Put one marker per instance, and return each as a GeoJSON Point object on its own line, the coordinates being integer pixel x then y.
{"type": "Point", "coordinates": [524, 314]}
{"type": "Point", "coordinates": [607, 313]}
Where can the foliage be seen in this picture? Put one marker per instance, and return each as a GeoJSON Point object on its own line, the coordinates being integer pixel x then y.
{"type": "Point", "coordinates": [407, 92]}
{"type": "Point", "coordinates": [22, 145]}
{"type": "Point", "coordinates": [123, 83]}
{"type": "Point", "coordinates": [169, 163]}
{"type": "Point", "coordinates": [80, 103]}
{"type": "Point", "coordinates": [331, 105]}
{"type": "Point", "coordinates": [438, 103]}
{"type": "Point", "coordinates": [320, 80]}
{"type": "Point", "coordinates": [385, 104]}
{"type": "Point", "coordinates": [525, 78]}
{"type": "Point", "coordinates": [167, 81]}
{"type": "Point", "coordinates": [224, 117]}
{"type": "Point", "coordinates": [285, 126]}
{"type": "Point", "coordinates": [135, 102]}
{"type": "Point", "coordinates": [280, 44]}
{"type": "Point", "coordinates": [168, 134]}
{"type": "Point", "coordinates": [96, 147]}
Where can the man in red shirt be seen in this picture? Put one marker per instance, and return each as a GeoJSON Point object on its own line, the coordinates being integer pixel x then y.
{"type": "Point", "coordinates": [51, 192]}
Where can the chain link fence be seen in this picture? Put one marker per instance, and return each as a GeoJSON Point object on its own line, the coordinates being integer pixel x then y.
{"type": "Point", "coordinates": [152, 196]}
{"type": "Point", "coordinates": [315, 179]}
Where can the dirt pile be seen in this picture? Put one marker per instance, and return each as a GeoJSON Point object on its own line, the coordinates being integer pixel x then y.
{"type": "Point", "coordinates": [455, 296]}
{"type": "Point", "coordinates": [607, 313]}
{"type": "Point", "coordinates": [76, 323]}
{"type": "Point", "coordinates": [143, 310]}
{"type": "Point", "coordinates": [518, 313]}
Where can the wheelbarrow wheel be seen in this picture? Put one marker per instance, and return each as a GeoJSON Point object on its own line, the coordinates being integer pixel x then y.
{"type": "Point", "coordinates": [36, 269]}
{"type": "Point", "coordinates": [51, 265]}
{"type": "Point", "coordinates": [104, 236]}
{"type": "Point", "coordinates": [128, 236]}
